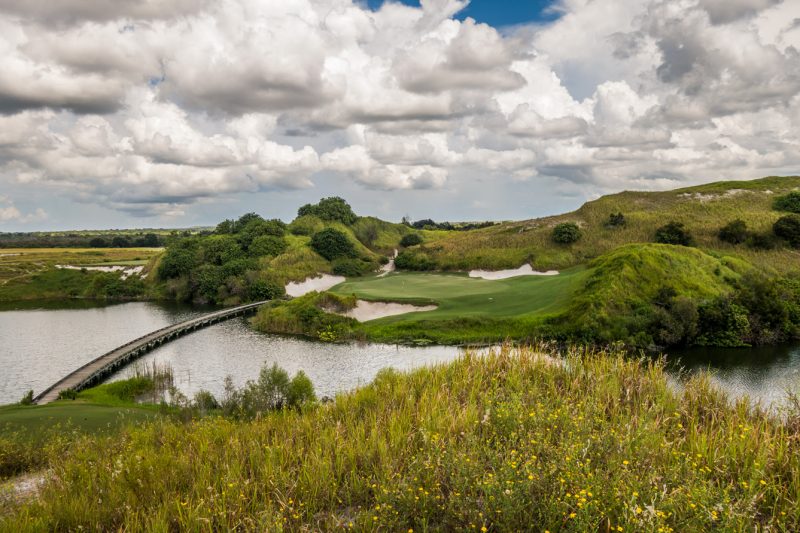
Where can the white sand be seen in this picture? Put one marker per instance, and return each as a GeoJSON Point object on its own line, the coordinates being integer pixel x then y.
{"type": "Point", "coordinates": [524, 270]}
{"type": "Point", "coordinates": [365, 311]}
{"type": "Point", "coordinates": [126, 270]}
{"type": "Point", "coordinates": [320, 283]}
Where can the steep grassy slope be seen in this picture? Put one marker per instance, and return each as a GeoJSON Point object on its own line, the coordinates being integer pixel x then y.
{"type": "Point", "coordinates": [509, 442]}
{"type": "Point", "coordinates": [703, 209]}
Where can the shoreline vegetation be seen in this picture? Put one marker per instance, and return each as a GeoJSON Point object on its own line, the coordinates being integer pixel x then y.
{"type": "Point", "coordinates": [714, 265]}
{"type": "Point", "coordinates": [573, 441]}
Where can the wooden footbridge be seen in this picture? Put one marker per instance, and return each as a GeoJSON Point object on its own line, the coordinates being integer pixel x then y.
{"type": "Point", "coordinates": [96, 371]}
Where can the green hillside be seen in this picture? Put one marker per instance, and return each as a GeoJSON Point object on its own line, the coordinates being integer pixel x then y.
{"type": "Point", "coordinates": [703, 209]}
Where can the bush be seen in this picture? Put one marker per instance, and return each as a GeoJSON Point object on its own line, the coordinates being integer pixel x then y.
{"type": "Point", "coordinates": [351, 268]}
{"type": "Point", "coordinates": [267, 245]}
{"type": "Point", "coordinates": [734, 232]}
{"type": "Point", "coordinates": [674, 233]}
{"type": "Point", "coordinates": [264, 288]}
{"type": "Point", "coordinates": [722, 323]}
{"type": "Point", "coordinates": [332, 244]}
{"type": "Point", "coordinates": [272, 391]}
{"type": "Point", "coordinates": [615, 220]}
{"type": "Point", "coordinates": [788, 229]}
{"type": "Point", "coordinates": [788, 202]}
{"type": "Point", "coordinates": [412, 239]}
{"type": "Point", "coordinates": [333, 209]}
{"type": "Point", "coordinates": [306, 225]}
{"type": "Point", "coordinates": [27, 398]}
{"type": "Point", "coordinates": [566, 233]}
{"type": "Point", "coordinates": [204, 401]}
{"type": "Point", "coordinates": [408, 260]}
{"type": "Point", "coordinates": [762, 241]}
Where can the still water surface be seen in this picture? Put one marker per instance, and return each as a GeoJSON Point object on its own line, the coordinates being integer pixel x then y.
{"type": "Point", "coordinates": [38, 346]}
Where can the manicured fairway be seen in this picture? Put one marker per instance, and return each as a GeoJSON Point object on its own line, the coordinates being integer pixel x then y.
{"type": "Point", "coordinates": [459, 296]}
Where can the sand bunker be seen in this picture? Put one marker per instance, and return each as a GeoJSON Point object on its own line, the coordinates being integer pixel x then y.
{"type": "Point", "coordinates": [126, 270]}
{"type": "Point", "coordinates": [365, 311]}
{"type": "Point", "coordinates": [320, 283]}
{"type": "Point", "coordinates": [524, 270]}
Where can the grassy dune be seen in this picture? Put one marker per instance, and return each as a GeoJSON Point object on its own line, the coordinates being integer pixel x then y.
{"type": "Point", "coordinates": [703, 209]}
{"type": "Point", "coordinates": [512, 441]}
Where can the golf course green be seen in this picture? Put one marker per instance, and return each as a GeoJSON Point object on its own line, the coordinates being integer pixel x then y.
{"type": "Point", "coordinates": [459, 296]}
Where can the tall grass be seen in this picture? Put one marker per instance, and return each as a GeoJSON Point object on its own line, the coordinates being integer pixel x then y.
{"type": "Point", "coordinates": [510, 441]}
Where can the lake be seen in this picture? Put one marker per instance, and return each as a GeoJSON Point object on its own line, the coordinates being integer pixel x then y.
{"type": "Point", "coordinates": [40, 345]}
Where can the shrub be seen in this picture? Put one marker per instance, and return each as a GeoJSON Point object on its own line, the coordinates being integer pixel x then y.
{"type": "Point", "coordinates": [331, 244]}
{"type": "Point", "coordinates": [722, 323]}
{"type": "Point", "coordinates": [333, 209]}
{"type": "Point", "coordinates": [265, 288]}
{"type": "Point", "coordinates": [272, 391]}
{"type": "Point", "coordinates": [27, 398]}
{"type": "Point", "coordinates": [408, 260]}
{"type": "Point", "coordinates": [734, 232]}
{"type": "Point", "coordinates": [204, 401]}
{"type": "Point", "coordinates": [788, 202]}
{"type": "Point", "coordinates": [306, 225]}
{"type": "Point", "coordinates": [615, 220]}
{"type": "Point", "coordinates": [68, 394]}
{"type": "Point", "coordinates": [351, 268]}
{"type": "Point", "coordinates": [566, 233]}
{"type": "Point", "coordinates": [267, 245]}
{"type": "Point", "coordinates": [412, 239]}
{"type": "Point", "coordinates": [788, 229]}
{"type": "Point", "coordinates": [762, 241]}
{"type": "Point", "coordinates": [674, 233]}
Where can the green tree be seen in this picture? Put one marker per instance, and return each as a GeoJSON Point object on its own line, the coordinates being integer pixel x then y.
{"type": "Point", "coordinates": [566, 233]}
{"type": "Point", "coordinates": [331, 244]}
{"type": "Point", "coordinates": [333, 209]}
{"type": "Point", "coordinates": [300, 391]}
{"type": "Point", "coordinates": [674, 233]}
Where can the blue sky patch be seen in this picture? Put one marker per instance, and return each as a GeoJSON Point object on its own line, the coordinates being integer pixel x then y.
{"type": "Point", "coordinates": [497, 13]}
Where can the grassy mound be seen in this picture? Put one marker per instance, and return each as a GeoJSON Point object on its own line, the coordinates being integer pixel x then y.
{"type": "Point", "coordinates": [618, 297]}
{"type": "Point", "coordinates": [512, 441]}
{"type": "Point", "coordinates": [703, 210]}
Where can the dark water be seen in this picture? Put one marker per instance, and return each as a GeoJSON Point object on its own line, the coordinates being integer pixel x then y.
{"type": "Point", "coordinates": [765, 374]}
{"type": "Point", "coordinates": [39, 345]}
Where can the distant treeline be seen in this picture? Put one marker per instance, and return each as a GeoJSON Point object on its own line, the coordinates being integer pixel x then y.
{"type": "Point", "coordinates": [78, 240]}
{"type": "Point", "coordinates": [429, 224]}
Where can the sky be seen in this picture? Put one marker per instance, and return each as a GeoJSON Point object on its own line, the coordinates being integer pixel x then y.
{"type": "Point", "coordinates": [176, 113]}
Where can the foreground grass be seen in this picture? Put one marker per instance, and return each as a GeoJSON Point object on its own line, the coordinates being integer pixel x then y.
{"type": "Point", "coordinates": [512, 441]}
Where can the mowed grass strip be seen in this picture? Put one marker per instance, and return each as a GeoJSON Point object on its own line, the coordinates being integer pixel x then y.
{"type": "Point", "coordinates": [459, 296]}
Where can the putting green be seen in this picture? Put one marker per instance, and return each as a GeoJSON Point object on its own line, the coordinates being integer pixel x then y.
{"type": "Point", "coordinates": [459, 296]}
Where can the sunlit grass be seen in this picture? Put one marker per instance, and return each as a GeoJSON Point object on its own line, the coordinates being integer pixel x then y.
{"type": "Point", "coordinates": [511, 441]}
